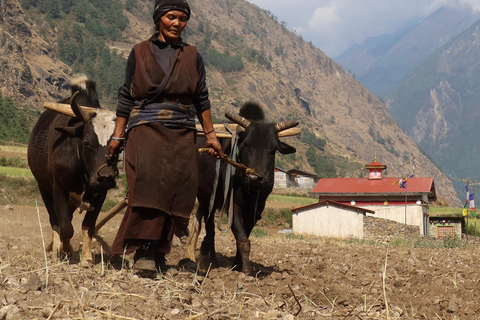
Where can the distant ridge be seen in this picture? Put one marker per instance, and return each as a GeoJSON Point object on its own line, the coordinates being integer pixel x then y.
{"type": "Point", "coordinates": [380, 63]}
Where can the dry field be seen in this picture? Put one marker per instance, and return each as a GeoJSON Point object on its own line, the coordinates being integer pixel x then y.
{"type": "Point", "coordinates": [295, 278]}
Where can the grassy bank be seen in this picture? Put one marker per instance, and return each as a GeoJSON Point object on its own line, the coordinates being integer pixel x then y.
{"type": "Point", "coordinates": [293, 201]}
{"type": "Point", "coordinates": [14, 148]}
{"type": "Point", "coordinates": [13, 172]}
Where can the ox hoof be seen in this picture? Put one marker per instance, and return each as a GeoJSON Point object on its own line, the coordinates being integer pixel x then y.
{"type": "Point", "coordinates": [67, 249]}
{"type": "Point", "coordinates": [187, 265]}
{"type": "Point", "coordinates": [86, 263]}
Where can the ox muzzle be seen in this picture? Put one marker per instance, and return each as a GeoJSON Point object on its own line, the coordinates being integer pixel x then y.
{"type": "Point", "coordinates": [255, 181]}
{"type": "Point", "coordinates": [106, 174]}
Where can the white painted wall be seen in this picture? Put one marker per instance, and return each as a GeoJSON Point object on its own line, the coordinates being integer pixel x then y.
{"type": "Point", "coordinates": [328, 221]}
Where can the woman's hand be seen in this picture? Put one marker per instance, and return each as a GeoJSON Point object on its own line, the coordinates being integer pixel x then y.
{"type": "Point", "coordinates": [215, 148]}
{"type": "Point", "coordinates": [205, 118]}
{"type": "Point", "coordinates": [115, 147]}
{"type": "Point", "coordinates": [117, 143]}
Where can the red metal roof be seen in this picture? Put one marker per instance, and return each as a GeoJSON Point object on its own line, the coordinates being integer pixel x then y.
{"type": "Point", "coordinates": [372, 186]}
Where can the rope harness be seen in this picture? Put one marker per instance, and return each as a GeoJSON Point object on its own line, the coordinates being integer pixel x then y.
{"type": "Point", "coordinates": [230, 172]}
{"type": "Point", "coordinates": [111, 162]}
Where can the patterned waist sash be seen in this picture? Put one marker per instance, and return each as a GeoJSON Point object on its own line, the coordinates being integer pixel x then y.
{"type": "Point", "coordinates": [168, 113]}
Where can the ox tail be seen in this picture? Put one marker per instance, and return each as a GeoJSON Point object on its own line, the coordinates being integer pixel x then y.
{"type": "Point", "coordinates": [195, 228]}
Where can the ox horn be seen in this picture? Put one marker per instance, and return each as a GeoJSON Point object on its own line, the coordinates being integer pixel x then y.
{"type": "Point", "coordinates": [241, 121]}
{"type": "Point", "coordinates": [285, 125]}
{"type": "Point", "coordinates": [81, 113]}
{"type": "Point", "coordinates": [289, 132]}
{"type": "Point", "coordinates": [66, 109]}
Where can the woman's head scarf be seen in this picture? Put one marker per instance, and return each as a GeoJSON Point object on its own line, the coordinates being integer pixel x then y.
{"type": "Point", "coordinates": [164, 6]}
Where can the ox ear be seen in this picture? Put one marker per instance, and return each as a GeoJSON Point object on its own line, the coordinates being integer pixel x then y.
{"type": "Point", "coordinates": [71, 132]}
{"type": "Point", "coordinates": [285, 148]}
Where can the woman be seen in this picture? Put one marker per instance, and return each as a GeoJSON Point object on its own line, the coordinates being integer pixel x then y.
{"type": "Point", "coordinates": [164, 89]}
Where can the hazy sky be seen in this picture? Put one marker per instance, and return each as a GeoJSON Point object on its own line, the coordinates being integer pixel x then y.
{"type": "Point", "coordinates": [336, 25]}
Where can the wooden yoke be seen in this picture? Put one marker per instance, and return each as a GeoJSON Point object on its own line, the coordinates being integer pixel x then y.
{"type": "Point", "coordinates": [223, 133]}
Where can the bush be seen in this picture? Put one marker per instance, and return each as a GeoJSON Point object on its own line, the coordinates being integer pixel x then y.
{"type": "Point", "coordinates": [258, 232]}
{"type": "Point", "coordinates": [16, 162]}
{"type": "Point", "coordinates": [286, 215]}
{"type": "Point", "coordinates": [292, 236]}
{"type": "Point", "coordinates": [446, 243]}
{"type": "Point", "coordinates": [19, 191]}
{"type": "Point", "coordinates": [277, 218]}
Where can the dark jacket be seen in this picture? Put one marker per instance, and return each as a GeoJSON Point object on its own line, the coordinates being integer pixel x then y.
{"type": "Point", "coordinates": [162, 76]}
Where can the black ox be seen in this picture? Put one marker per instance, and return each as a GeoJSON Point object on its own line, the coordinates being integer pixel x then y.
{"type": "Point", "coordinates": [258, 142]}
{"type": "Point", "coordinates": [66, 155]}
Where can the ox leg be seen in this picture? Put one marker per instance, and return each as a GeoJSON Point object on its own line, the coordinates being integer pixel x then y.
{"type": "Point", "coordinates": [88, 230]}
{"type": "Point", "coordinates": [208, 243]}
{"type": "Point", "coordinates": [48, 200]}
{"type": "Point", "coordinates": [63, 229]}
{"type": "Point", "coordinates": [241, 231]}
{"type": "Point", "coordinates": [51, 205]}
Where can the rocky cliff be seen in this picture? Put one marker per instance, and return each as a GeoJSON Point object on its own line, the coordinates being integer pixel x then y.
{"type": "Point", "coordinates": [30, 72]}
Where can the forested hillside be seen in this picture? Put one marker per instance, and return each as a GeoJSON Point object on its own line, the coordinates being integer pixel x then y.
{"type": "Point", "coordinates": [14, 121]}
{"type": "Point", "coordinates": [84, 30]}
{"type": "Point", "coordinates": [249, 56]}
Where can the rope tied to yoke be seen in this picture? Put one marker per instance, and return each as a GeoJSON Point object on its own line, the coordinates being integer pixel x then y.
{"type": "Point", "coordinates": [228, 192]}
{"type": "Point", "coordinates": [238, 166]}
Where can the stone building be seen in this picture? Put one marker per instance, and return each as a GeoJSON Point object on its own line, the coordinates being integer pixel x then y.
{"type": "Point", "coordinates": [446, 227]}
{"type": "Point", "coordinates": [294, 178]}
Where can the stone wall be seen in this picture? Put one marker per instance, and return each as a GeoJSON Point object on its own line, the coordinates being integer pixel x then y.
{"type": "Point", "coordinates": [383, 230]}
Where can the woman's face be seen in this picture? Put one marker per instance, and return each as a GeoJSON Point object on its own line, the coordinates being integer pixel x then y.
{"type": "Point", "coordinates": [171, 25]}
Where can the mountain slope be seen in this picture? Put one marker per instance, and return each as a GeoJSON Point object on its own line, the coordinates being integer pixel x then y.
{"type": "Point", "coordinates": [437, 104]}
{"type": "Point", "coordinates": [250, 56]}
{"type": "Point", "coordinates": [30, 72]}
{"type": "Point", "coordinates": [381, 62]}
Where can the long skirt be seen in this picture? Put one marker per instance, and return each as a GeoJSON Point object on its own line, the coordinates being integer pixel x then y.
{"type": "Point", "coordinates": [162, 177]}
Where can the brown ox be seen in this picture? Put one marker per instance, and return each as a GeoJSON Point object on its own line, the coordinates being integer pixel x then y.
{"type": "Point", "coordinates": [65, 153]}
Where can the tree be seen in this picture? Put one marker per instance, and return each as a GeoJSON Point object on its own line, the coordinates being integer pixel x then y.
{"type": "Point", "coordinates": [68, 51]}
{"type": "Point", "coordinates": [95, 27]}
{"type": "Point", "coordinates": [77, 33]}
{"type": "Point", "coordinates": [67, 5]}
{"type": "Point", "coordinates": [80, 10]}
{"type": "Point", "coordinates": [14, 123]}
{"type": "Point", "coordinates": [323, 167]}
{"type": "Point", "coordinates": [129, 5]}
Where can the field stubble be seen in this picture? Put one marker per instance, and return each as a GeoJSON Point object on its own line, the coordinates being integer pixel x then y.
{"type": "Point", "coordinates": [302, 278]}
{"type": "Point", "coordinates": [296, 276]}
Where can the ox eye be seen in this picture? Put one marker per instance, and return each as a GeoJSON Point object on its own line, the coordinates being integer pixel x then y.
{"type": "Point", "coordinates": [87, 144]}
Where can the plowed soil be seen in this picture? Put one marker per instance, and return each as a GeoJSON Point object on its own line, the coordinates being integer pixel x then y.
{"type": "Point", "coordinates": [295, 278]}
